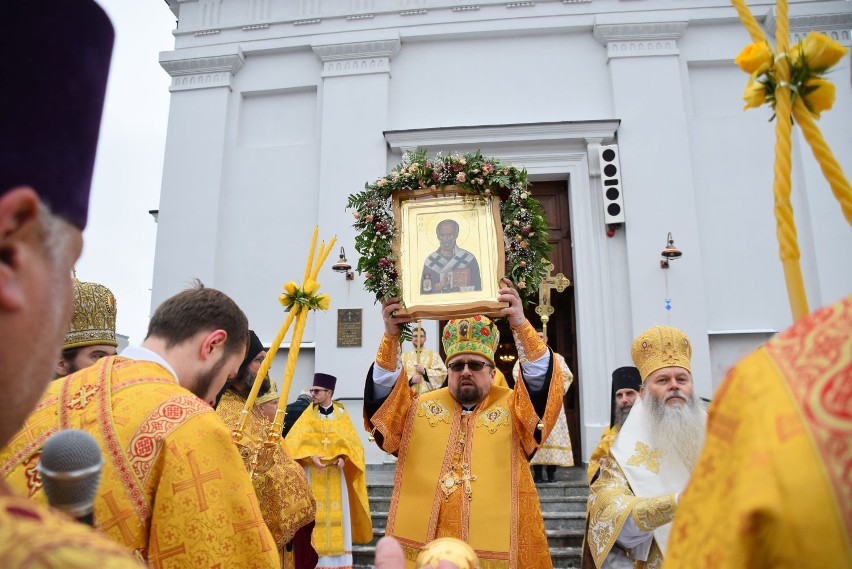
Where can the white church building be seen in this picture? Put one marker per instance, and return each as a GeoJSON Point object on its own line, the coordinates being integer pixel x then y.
{"type": "Point", "coordinates": [280, 109]}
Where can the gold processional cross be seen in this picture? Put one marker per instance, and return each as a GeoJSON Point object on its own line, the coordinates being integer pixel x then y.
{"type": "Point", "coordinates": [544, 309]}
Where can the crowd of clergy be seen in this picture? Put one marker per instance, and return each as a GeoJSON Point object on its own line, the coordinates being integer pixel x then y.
{"type": "Point", "coordinates": [192, 475]}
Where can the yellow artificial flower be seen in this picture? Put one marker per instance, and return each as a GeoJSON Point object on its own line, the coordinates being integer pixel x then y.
{"type": "Point", "coordinates": [323, 301]}
{"type": "Point", "coordinates": [755, 95]}
{"type": "Point", "coordinates": [311, 286]}
{"type": "Point", "coordinates": [755, 58]}
{"type": "Point", "coordinates": [290, 287]}
{"type": "Point", "coordinates": [821, 98]}
{"type": "Point", "coordinates": [820, 51]}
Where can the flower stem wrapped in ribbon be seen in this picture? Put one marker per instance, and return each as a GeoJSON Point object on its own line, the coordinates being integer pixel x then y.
{"type": "Point", "coordinates": [791, 81]}
{"type": "Point", "coordinates": [299, 301]}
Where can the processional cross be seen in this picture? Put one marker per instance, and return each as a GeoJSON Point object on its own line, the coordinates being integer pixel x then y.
{"type": "Point", "coordinates": [544, 309]}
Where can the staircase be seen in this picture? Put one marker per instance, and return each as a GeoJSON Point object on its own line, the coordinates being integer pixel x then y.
{"type": "Point", "coordinates": [563, 505]}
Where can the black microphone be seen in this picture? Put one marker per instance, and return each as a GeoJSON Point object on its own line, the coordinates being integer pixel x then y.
{"type": "Point", "coordinates": [70, 468]}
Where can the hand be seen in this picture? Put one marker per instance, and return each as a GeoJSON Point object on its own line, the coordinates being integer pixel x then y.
{"type": "Point", "coordinates": [419, 369]}
{"type": "Point", "coordinates": [392, 322]}
{"type": "Point", "coordinates": [514, 313]}
{"type": "Point", "coordinates": [414, 380]}
{"type": "Point", "coordinates": [317, 462]}
{"type": "Point", "coordinates": [389, 554]}
{"type": "Point", "coordinates": [341, 462]}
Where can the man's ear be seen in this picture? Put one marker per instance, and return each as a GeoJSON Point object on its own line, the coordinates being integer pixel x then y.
{"type": "Point", "coordinates": [61, 367]}
{"type": "Point", "coordinates": [642, 391]}
{"type": "Point", "coordinates": [213, 342]}
{"type": "Point", "coordinates": [18, 230]}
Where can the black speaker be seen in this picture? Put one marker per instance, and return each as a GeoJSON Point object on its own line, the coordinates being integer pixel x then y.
{"type": "Point", "coordinates": [613, 199]}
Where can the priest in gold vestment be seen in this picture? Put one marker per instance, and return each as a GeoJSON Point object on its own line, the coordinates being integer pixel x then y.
{"type": "Point", "coordinates": [325, 442]}
{"type": "Point", "coordinates": [772, 487]}
{"type": "Point", "coordinates": [424, 368]}
{"type": "Point", "coordinates": [464, 450]}
{"type": "Point", "coordinates": [556, 449]}
{"type": "Point", "coordinates": [174, 489]}
{"type": "Point", "coordinates": [626, 384]}
{"type": "Point", "coordinates": [634, 499]}
{"type": "Point", "coordinates": [285, 499]}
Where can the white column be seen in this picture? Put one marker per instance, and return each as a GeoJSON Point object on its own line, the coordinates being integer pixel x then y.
{"type": "Point", "coordinates": [653, 138]}
{"type": "Point", "coordinates": [192, 171]}
{"type": "Point", "coordinates": [354, 102]}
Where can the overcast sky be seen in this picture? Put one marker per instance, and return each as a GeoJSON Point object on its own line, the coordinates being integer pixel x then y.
{"type": "Point", "coordinates": [120, 236]}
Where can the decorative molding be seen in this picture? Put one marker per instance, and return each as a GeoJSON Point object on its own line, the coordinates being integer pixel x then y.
{"type": "Point", "coordinates": [835, 26]}
{"type": "Point", "coordinates": [520, 5]}
{"type": "Point", "coordinates": [592, 146]}
{"type": "Point", "coordinates": [255, 27]}
{"type": "Point", "coordinates": [307, 22]}
{"type": "Point", "coordinates": [360, 17]}
{"type": "Point", "coordinates": [413, 12]}
{"type": "Point", "coordinates": [207, 32]}
{"type": "Point", "coordinates": [576, 1]}
{"type": "Point", "coordinates": [640, 40]}
{"type": "Point", "coordinates": [456, 137]}
{"type": "Point", "coordinates": [469, 8]}
{"type": "Point", "coordinates": [361, 58]}
{"type": "Point", "coordinates": [203, 72]}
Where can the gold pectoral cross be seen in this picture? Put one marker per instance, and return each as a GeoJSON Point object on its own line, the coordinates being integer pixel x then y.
{"type": "Point", "coordinates": [452, 481]}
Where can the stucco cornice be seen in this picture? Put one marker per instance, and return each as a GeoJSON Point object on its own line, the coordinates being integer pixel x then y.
{"type": "Point", "coordinates": [836, 26]}
{"type": "Point", "coordinates": [357, 58]}
{"type": "Point", "coordinates": [202, 72]}
{"type": "Point", "coordinates": [640, 40]}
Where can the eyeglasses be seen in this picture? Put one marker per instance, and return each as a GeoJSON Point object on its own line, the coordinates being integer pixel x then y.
{"type": "Point", "coordinates": [473, 366]}
{"type": "Point", "coordinates": [318, 390]}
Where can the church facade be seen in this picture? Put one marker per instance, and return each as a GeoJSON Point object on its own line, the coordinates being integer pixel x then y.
{"type": "Point", "coordinates": [282, 108]}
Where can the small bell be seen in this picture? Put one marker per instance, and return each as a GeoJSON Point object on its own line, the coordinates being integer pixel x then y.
{"type": "Point", "coordinates": [540, 426]}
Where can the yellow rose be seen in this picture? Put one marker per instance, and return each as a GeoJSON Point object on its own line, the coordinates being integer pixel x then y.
{"type": "Point", "coordinates": [290, 287]}
{"type": "Point", "coordinates": [820, 51]}
{"type": "Point", "coordinates": [311, 286]}
{"type": "Point", "coordinates": [820, 95]}
{"type": "Point", "coordinates": [323, 301]}
{"type": "Point", "coordinates": [755, 58]}
{"type": "Point", "coordinates": [755, 95]}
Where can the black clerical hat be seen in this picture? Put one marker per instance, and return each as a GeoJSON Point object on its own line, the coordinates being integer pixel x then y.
{"type": "Point", "coordinates": [56, 56]}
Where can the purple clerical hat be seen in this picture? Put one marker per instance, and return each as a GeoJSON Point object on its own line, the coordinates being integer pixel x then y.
{"type": "Point", "coordinates": [57, 55]}
{"type": "Point", "coordinates": [325, 380]}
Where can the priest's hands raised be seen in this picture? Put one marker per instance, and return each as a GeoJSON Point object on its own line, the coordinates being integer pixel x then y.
{"type": "Point", "coordinates": [514, 313]}
{"type": "Point", "coordinates": [389, 306]}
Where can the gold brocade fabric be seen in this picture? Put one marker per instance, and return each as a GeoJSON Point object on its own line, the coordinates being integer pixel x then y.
{"type": "Point", "coordinates": [285, 498]}
{"type": "Point", "coordinates": [772, 487]}
{"type": "Point", "coordinates": [174, 489]}
{"type": "Point", "coordinates": [556, 449]}
{"type": "Point", "coordinates": [611, 502]}
{"type": "Point", "coordinates": [330, 438]}
{"type": "Point", "coordinates": [328, 537]}
{"type": "Point", "coordinates": [435, 369]}
{"type": "Point", "coordinates": [468, 459]}
{"type": "Point", "coordinates": [607, 438]}
{"type": "Point", "coordinates": [35, 537]}
{"type": "Point", "coordinates": [388, 352]}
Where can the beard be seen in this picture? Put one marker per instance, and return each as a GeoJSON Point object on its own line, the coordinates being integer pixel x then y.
{"type": "Point", "coordinates": [678, 429]}
{"type": "Point", "coordinates": [621, 414]}
{"type": "Point", "coordinates": [204, 380]}
{"type": "Point", "coordinates": [467, 395]}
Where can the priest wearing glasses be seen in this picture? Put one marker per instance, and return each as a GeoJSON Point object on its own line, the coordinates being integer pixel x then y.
{"type": "Point", "coordinates": [462, 446]}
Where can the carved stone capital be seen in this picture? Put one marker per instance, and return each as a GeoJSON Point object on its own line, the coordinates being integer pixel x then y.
{"type": "Point", "coordinates": [203, 72]}
{"type": "Point", "coordinates": [835, 26]}
{"type": "Point", "coordinates": [359, 58]}
{"type": "Point", "coordinates": [640, 40]}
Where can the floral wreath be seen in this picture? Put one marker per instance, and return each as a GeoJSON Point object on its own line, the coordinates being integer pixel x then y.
{"type": "Point", "coordinates": [524, 226]}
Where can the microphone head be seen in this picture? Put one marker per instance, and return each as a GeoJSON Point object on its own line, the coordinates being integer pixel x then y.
{"type": "Point", "coordinates": [70, 468]}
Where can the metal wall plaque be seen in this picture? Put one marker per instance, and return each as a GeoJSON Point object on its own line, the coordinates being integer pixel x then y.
{"type": "Point", "coordinates": [349, 328]}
